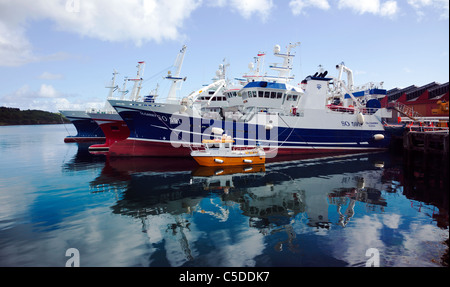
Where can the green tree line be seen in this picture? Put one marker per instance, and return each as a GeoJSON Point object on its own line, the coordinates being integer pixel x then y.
{"type": "Point", "coordinates": [14, 116]}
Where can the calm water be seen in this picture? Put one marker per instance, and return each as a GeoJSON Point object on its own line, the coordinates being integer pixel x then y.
{"type": "Point", "coordinates": [161, 212]}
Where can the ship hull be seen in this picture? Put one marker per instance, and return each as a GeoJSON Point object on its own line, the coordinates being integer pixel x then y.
{"type": "Point", "coordinates": [114, 128]}
{"type": "Point", "coordinates": [159, 130]}
{"type": "Point", "coordinates": [87, 129]}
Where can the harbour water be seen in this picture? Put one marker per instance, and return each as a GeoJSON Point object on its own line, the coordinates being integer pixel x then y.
{"type": "Point", "coordinates": [337, 211]}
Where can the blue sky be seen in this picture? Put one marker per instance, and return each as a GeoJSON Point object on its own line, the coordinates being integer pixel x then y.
{"type": "Point", "coordinates": [59, 54]}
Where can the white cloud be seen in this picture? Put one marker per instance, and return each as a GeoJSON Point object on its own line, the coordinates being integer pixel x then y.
{"type": "Point", "coordinates": [363, 234]}
{"type": "Point", "coordinates": [47, 98]}
{"type": "Point", "coordinates": [387, 8]}
{"type": "Point", "coordinates": [360, 6]}
{"type": "Point", "coordinates": [135, 21]}
{"type": "Point", "coordinates": [247, 8]}
{"type": "Point", "coordinates": [298, 6]}
{"type": "Point", "coordinates": [109, 20]}
{"type": "Point", "coordinates": [50, 76]}
{"type": "Point", "coordinates": [441, 6]}
{"type": "Point", "coordinates": [422, 245]}
{"type": "Point", "coordinates": [392, 220]}
{"type": "Point", "coordinates": [15, 50]}
{"type": "Point", "coordinates": [47, 91]}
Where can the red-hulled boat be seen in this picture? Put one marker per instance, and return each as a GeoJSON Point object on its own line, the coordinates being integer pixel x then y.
{"type": "Point", "coordinates": [114, 128]}
{"type": "Point", "coordinates": [111, 123]}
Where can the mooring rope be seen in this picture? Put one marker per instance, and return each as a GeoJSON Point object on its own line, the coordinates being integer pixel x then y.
{"type": "Point", "coordinates": [62, 120]}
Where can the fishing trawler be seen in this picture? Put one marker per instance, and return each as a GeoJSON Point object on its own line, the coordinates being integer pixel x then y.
{"type": "Point", "coordinates": [87, 129]}
{"type": "Point", "coordinates": [219, 151]}
{"type": "Point", "coordinates": [284, 119]}
{"type": "Point", "coordinates": [89, 123]}
{"type": "Point", "coordinates": [112, 125]}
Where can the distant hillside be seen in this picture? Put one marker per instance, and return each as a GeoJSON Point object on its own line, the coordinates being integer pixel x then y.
{"type": "Point", "coordinates": [13, 116]}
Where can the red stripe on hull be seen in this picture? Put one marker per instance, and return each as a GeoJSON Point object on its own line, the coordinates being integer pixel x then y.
{"type": "Point", "coordinates": [83, 139]}
{"type": "Point", "coordinates": [114, 131]}
{"type": "Point", "coordinates": [146, 148]}
{"type": "Point", "coordinates": [130, 147]}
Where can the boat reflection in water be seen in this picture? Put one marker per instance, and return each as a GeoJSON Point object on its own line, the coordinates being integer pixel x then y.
{"type": "Point", "coordinates": [311, 212]}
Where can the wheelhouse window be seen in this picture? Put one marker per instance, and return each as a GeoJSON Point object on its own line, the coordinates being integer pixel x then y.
{"type": "Point", "coordinates": [279, 95]}
{"type": "Point", "coordinates": [260, 94]}
{"type": "Point", "coordinates": [273, 95]}
{"type": "Point", "coordinates": [266, 94]}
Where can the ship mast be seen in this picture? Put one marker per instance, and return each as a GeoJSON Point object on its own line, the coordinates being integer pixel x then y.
{"type": "Point", "coordinates": [254, 73]}
{"type": "Point", "coordinates": [342, 68]}
{"type": "Point", "coordinates": [112, 87]}
{"type": "Point", "coordinates": [172, 96]}
{"type": "Point", "coordinates": [259, 63]}
{"type": "Point", "coordinates": [284, 71]}
{"type": "Point", "coordinates": [137, 82]}
{"type": "Point", "coordinates": [124, 90]}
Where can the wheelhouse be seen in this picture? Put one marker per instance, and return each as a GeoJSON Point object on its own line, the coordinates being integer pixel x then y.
{"type": "Point", "coordinates": [270, 95]}
{"type": "Point", "coordinates": [212, 100]}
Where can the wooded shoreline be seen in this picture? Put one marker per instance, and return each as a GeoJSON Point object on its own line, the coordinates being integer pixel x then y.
{"type": "Point", "coordinates": [15, 116]}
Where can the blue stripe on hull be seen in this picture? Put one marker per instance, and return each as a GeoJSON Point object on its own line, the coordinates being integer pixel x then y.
{"type": "Point", "coordinates": [158, 126]}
